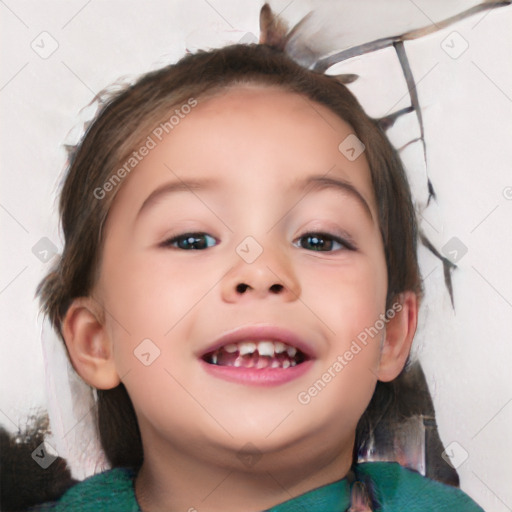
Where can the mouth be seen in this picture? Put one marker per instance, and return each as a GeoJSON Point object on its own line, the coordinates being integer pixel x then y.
{"type": "Point", "coordinates": [258, 354]}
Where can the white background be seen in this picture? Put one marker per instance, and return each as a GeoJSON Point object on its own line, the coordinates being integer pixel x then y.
{"type": "Point", "coordinates": [467, 109]}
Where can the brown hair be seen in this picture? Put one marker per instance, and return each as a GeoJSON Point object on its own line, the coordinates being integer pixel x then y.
{"type": "Point", "coordinates": [125, 121]}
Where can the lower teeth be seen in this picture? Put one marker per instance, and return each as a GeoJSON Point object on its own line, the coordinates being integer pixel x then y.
{"type": "Point", "coordinates": [259, 363]}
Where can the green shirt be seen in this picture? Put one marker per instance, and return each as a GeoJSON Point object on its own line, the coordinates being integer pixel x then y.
{"type": "Point", "coordinates": [396, 488]}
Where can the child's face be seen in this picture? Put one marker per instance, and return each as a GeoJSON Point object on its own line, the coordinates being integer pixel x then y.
{"type": "Point", "coordinates": [252, 150]}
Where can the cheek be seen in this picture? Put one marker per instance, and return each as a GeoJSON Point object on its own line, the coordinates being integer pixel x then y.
{"type": "Point", "coordinates": [351, 307]}
{"type": "Point", "coordinates": [149, 299]}
{"type": "Point", "coordinates": [148, 296]}
{"type": "Point", "coordinates": [352, 297]}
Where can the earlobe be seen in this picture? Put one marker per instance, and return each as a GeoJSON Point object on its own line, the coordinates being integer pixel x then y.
{"type": "Point", "coordinates": [89, 345]}
{"type": "Point", "coordinates": [400, 331]}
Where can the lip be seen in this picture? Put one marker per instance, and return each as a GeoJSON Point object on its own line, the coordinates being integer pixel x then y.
{"type": "Point", "coordinates": [252, 376]}
{"type": "Point", "coordinates": [262, 333]}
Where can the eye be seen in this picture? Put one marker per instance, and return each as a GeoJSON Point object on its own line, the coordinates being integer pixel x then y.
{"type": "Point", "coordinates": [323, 242]}
{"type": "Point", "coordinates": [191, 241]}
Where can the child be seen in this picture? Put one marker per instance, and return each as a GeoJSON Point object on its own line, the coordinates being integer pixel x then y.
{"type": "Point", "coordinates": [233, 224]}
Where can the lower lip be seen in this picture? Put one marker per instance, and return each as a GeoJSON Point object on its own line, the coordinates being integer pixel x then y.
{"type": "Point", "coordinates": [258, 377]}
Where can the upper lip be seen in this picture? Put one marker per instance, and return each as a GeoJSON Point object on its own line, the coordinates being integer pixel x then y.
{"type": "Point", "coordinates": [261, 333]}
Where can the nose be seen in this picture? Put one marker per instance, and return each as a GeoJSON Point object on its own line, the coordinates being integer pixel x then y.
{"type": "Point", "coordinates": [271, 275]}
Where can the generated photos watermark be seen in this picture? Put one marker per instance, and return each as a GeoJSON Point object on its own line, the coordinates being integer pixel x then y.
{"type": "Point", "coordinates": [342, 360]}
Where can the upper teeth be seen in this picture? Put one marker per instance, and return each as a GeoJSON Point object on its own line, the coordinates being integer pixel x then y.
{"type": "Point", "coordinates": [265, 348]}
{"type": "Point", "coordinates": [247, 347]}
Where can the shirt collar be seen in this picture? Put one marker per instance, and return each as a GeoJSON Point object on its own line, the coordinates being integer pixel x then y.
{"type": "Point", "coordinates": [334, 497]}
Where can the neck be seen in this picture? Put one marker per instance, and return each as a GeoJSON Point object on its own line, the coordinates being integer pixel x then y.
{"type": "Point", "coordinates": [171, 479]}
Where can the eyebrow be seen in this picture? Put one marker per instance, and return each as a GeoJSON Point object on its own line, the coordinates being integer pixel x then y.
{"type": "Point", "coordinates": [311, 183]}
{"type": "Point", "coordinates": [176, 186]}
{"type": "Point", "coordinates": [322, 182]}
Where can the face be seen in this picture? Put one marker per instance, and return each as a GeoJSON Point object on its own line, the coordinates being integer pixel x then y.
{"type": "Point", "coordinates": [245, 250]}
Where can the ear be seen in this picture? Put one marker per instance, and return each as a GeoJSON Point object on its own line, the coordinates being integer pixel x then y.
{"type": "Point", "coordinates": [88, 344]}
{"type": "Point", "coordinates": [399, 334]}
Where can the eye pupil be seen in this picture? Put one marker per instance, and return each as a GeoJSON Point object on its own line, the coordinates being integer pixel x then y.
{"type": "Point", "coordinates": [316, 243]}
{"type": "Point", "coordinates": [193, 241]}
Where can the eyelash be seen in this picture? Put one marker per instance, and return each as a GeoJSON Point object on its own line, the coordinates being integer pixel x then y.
{"type": "Point", "coordinates": [172, 242]}
{"type": "Point", "coordinates": [345, 243]}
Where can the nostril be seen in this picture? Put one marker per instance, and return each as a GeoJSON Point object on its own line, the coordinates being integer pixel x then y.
{"type": "Point", "coordinates": [276, 288]}
{"type": "Point", "coordinates": [241, 288]}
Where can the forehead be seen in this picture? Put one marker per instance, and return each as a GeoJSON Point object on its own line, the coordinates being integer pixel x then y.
{"type": "Point", "coordinates": [252, 136]}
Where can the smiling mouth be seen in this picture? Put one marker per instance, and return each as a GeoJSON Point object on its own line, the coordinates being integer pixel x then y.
{"type": "Point", "coordinates": [256, 354]}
